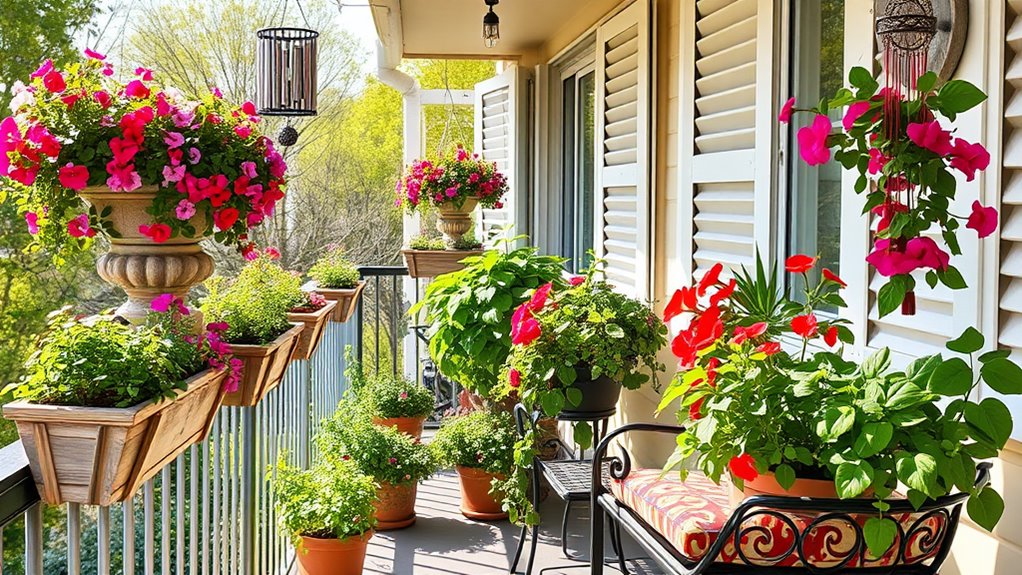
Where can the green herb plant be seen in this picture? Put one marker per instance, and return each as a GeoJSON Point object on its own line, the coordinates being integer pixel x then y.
{"type": "Point", "coordinates": [256, 303]}
{"type": "Point", "coordinates": [328, 501]}
{"type": "Point", "coordinates": [423, 242]}
{"type": "Point", "coordinates": [383, 453]}
{"type": "Point", "coordinates": [334, 271]}
{"type": "Point", "coordinates": [480, 440]}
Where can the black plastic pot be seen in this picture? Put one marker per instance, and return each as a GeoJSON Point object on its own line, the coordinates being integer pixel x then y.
{"type": "Point", "coordinates": [599, 396]}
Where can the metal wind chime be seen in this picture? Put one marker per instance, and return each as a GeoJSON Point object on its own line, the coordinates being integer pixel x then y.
{"type": "Point", "coordinates": [905, 31]}
{"type": "Point", "coordinates": [286, 83]}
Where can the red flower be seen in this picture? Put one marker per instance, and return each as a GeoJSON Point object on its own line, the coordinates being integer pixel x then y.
{"type": "Point", "coordinates": [524, 328]}
{"type": "Point", "coordinates": [54, 82]}
{"type": "Point", "coordinates": [683, 300]}
{"type": "Point", "coordinates": [804, 325]}
{"type": "Point", "coordinates": [710, 279]}
{"type": "Point", "coordinates": [829, 275]}
{"type": "Point", "coordinates": [225, 218]}
{"type": "Point", "coordinates": [73, 177]}
{"type": "Point", "coordinates": [743, 334]}
{"type": "Point", "coordinates": [248, 108]}
{"type": "Point", "coordinates": [723, 293]}
{"type": "Point", "coordinates": [852, 115]}
{"type": "Point", "coordinates": [700, 334]}
{"type": "Point", "coordinates": [886, 211]}
{"type": "Point", "coordinates": [136, 89]}
{"type": "Point", "coordinates": [931, 136]}
{"type": "Point", "coordinates": [799, 263]}
{"type": "Point", "coordinates": [576, 280]}
{"type": "Point", "coordinates": [515, 377]}
{"type": "Point", "coordinates": [744, 467]}
{"type": "Point", "coordinates": [695, 410]}
{"type": "Point", "coordinates": [968, 158]}
{"type": "Point", "coordinates": [79, 227]}
{"type": "Point", "coordinates": [982, 219]}
{"type": "Point", "coordinates": [769, 348]}
{"type": "Point", "coordinates": [812, 141]}
{"type": "Point", "coordinates": [785, 116]}
{"type": "Point", "coordinates": [711, 371]}
{"type": "Point", "coordinates": [918, 253]}
{"type": "Point", "coordinates": [830, 336]}
{"type": "Point", "coordinates": [159, 233]}
{"type": "Point", "coordinates": [538, 299]}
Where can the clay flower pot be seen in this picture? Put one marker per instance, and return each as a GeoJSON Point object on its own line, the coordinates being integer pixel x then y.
{"type": "Point", "coordinates": [476, 501]}
{"type": "Point", "coordinates": [408, 425]}
{"type": "Point", "coordinates": [431, 263]}
{"type": "Point", "coordinates": [599, 396]}
{"type": "Point", "coordinates": [347, 300]}
{"type": "Point", "coordinates": [263, 366]}
{"type": "Point", "coordinates": [315, 329]}
{"type": "Point", "coordinates": [333, 556]}
{"type": "Point", "coordinates": [101, 455]}
{"type": "Point", "coordinates": [766, 484]}
{"type": "Point", "coordinates": [395, 505]}
{"type": "Point", "coordinates": [141, 267]}
{"type": "Point", "coordinates": [454, 222]}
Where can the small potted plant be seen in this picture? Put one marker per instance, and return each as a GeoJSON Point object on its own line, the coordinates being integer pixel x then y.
{"type": "Point", "coordinates": [327, 511]}
{"type": "Point", "coordinates": [470, 311]}
{"type": "Point", "coordinates": [337, 279]}
{"type": "Point", "coordinates": [784, 420]}
{"type": "Point", "coordinates": [104, 405]}
{"type": "Point", "coordinates": [393, 459]}
{"type": "Point", "coordinates": [480, 447]}
{"type": "Point", "coordinates": [254, 307]}
{"type": "Point", "coordinates": [392, 400]}
{"type": "Point", "coordinates": [313, 311]}
{"type": "Point", "coordinates": [428, 257]}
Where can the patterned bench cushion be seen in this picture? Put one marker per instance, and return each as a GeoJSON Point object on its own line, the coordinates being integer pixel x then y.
{"type": "Point", "coordinates": [690, 515]}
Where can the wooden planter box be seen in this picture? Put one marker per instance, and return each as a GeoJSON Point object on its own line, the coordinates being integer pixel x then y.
{"type": "Point", "coordinates": [263, 367]}
{"type": "Point", "coordinates": [315, 324]}
{"type": "Point", "coordinates": [431, 263]}
{"type": "Point", "coordinates": [102, 455]}
{"type": "Point", "coordinates": [347, 300]}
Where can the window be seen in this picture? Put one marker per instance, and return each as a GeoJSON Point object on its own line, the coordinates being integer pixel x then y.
{"type": "Point", "coordinates": [814, 203]}
{"type": "Point", "coordinates": [578, 165]}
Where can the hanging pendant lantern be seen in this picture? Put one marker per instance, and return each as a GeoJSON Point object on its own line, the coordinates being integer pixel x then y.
{"type": "Point", "coordinates": [491, 25]}
{"type": "Point", "coordinates": [286, 72]}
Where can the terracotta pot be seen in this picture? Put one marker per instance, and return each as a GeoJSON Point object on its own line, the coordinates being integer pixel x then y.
{"type": "Point", "coordinates": [766, 484]}
{"type": "Point", "coordinates": [455, 222]}
{"type": "Point", "coordinates": [476, 501]}
{"type": "Point", "coordinates": [599, 396]}
{"type": "Point", "coordinates": [333, 556]}
{"type": "Point", "coordinates": [141, 267]}
{"type": "Point", "coordinates": [432, 263]}
{"type": "Point", "coordinates": [411, 426]}
{"type": "Point", "coordinates": [395, 505]}
{"type": "Point", "coordinates": [263, 366]}
{"type": "Point", "coordinates": [315, 329]}
{"type": "Point", "coordinates": [101, 455]}
{"type": "Point", "coordinates": [347, 300]}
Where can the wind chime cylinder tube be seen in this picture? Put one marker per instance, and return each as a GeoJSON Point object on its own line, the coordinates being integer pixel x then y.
{"type": "Point", "coordinates": [286, 72]}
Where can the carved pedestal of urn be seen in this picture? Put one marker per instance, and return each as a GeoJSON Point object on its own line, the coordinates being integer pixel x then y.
{"type": "Point", "coordinates": [454, 222]}
{"type": "Point", "coordinates": [141, 267]}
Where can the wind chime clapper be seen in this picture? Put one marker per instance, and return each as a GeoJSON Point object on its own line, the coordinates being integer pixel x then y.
{"type": "Point", "coordinates": [905, 30]}
{"type": "Point", "coordinates": [286, 82]}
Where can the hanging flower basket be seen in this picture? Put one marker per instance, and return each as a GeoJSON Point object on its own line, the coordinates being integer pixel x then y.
{"type": "Point", "coordinates": [315, 329]}
{"type": "Point", "coordinates": [347, 300]}
{"type": "Point", "coordinates": [101, 455]}
{"type": "Point", "coordinates": [263, 367]}
{"type": "Point", "coordinates": [431, 263]}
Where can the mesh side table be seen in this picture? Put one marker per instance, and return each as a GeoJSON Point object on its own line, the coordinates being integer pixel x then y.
{"type": "Point", "coordinates": [570, 479]}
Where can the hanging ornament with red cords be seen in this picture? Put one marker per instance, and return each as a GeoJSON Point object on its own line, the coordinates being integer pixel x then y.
{"type": "Point", "coordinates": [286, 83]}
{"type": "Point", "coordinates": [905, 31]}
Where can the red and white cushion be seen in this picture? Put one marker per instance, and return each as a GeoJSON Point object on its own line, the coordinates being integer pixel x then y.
{"type": "Point", "coordinates": [690, 515]}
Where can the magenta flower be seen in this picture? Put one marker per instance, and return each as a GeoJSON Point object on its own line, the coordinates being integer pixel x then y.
{"type": "Point", "coordinates": [10, 137]}
{"type": "Point", "coordinates": [242, 131]}
{"type": "Point", "coordinates": [136, 89]}
{"type": "Point", "coordinates": [184, 210]}
{"type": "Point", "coordinates": [194, 155]}
{"type": "Point", "coordinates": [852, 115]}
{"type": "Point", "coordinates": [32, 221]}
{"type": "Point", "coordinates": [54, 82]}
{"type": "Point", "coordinates": [249, 169]}
{"type": "Point", "coordinates": [173, 174]}
{"type": "Point", "coordinates": [79, 227]}
{"type": "Point", "coordinates": [969, 158]}
{"type": "Point", "coordinates": [89, 52]}
{"type": "Point", "coordinates": [812, 141]}
{"type": "Point", "coordinates": [877, 161]}
{"type": "Point", "coordinates": [919, 253]}
{"type": "Point", "coordinates": [173, 140]}
{"type": "Point", "coordinates": [165, 302]}
{"type": "Point", "coordinates": [982, 219]}
{"type": "Point", "coordinates": [931, 136]}
{"type": "Point", "coordinates": [785, 116]}
{"type": "Point", "coordinates": [183, 119]}
{"type": "Point", "coordinates": [44, 69]}
{"type": "Point", "coordinates": [144, 73]}
{"type": "Point", "coordinates": [73, 177]}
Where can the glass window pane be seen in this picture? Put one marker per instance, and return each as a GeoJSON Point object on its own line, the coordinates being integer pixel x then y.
{"type": "Point", "coordinates": [814, 225]}
{"type": "Point", "coordinates": [587, 168]}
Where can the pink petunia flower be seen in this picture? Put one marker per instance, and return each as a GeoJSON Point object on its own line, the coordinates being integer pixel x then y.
{"type": "Point", "coordinates": [184, 210]}
{"type": "Point", "coordinates": [32, 221]}
{"type": "Point", "coordinates": [136, 89]}
{"type": "Point", "coordinates": [969, 158]}
{"type": "Point", "coordinates": [785, 116]}
{"type": "Point", "coordinates": [982, 219]}
{"type": "Point", "coordinates": [173, 140]}
{"type": "Point", "coordinates": [812, 141]}
{"type": "Point", "coordinates": [73, 177]}
{"type": "Point", "coordinates": [90, 53]}
{"type": "Point", "coordinates": [79, 227]}
{"type": "Point", "coordinates": [919, 253]}
{"type": "Point", "coordinates": [931, 136]}
{"type": "Point", "coordinates": [852, 115]}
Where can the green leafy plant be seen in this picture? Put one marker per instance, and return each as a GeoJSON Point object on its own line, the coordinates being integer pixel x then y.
{"type": "Point", "coordinates": [255, 304]}
{"type": "Point", "coordinates": [327, 501]}
{"type": "Point", "coordinates": [470, 311]}
{"type": "Point", "coordinates": [334, 271]}
{"type": "Point", "coordinates": [467, 242]}
{"type": "Point", "coordinates": [480, 440]}
{"type": "Point", "coordinates": [751, 407]}
{"type": "Point", "coordinates": [105, 362]}
{"type": "Point", "coordinates": [384, 453]}
{"type": "Point", "coordinates": [386, 395]}
{"type": "Point", "coordinates": [426, 243]}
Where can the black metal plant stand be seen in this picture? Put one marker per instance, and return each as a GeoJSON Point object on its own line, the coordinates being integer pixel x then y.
{"type": "Point", "coordinates": [569, 478]}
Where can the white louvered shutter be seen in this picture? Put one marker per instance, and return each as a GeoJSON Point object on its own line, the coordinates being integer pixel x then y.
{"type": "Point", "coordinates": [496, 130]}
{"type": "Point", "coordinates": [733, 142]}
{"type": "Point", "coordinates": [623, 219]}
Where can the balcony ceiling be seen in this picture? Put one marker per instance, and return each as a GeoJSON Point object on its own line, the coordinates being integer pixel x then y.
{"type": "Point", "coordinates": [453, 28]}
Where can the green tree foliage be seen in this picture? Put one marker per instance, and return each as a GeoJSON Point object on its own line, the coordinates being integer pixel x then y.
{"type": "Point", "coordinates": [447, 125]}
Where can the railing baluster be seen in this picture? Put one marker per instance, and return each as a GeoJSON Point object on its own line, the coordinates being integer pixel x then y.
{"type": "Point", "coordinates": [128, 522]}
{"type": "Point", "coordinates": [377, 328]}
{"type": "Point", "coordinates": [103, 540]}
{"type": "Point", "coordinates": [34, 540]}
{"type": "Point", "coordinates": [216, 518]}
{"type": "Point", "coordinates": [395, 319]}
{"type": "Point", "coordinates": [74, 539]}
{"type": "Point", "coordinates": [179, 508]}
{"type": "Point", "coordinates": [165, 498]}
{"type": "Point", "coordinates": [193, 511]}
{"type": "Point", "coordinates": [149, 515]}
{"type": "Point", "coordinates": [205, 522]}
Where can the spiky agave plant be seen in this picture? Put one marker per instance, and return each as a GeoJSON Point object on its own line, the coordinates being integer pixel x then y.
{"type": "Point", "coordinates": [760, 297]}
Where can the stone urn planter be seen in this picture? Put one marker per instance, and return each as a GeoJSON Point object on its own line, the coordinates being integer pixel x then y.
{"type": "Point", "coordinates": [141, 267]}
{"type": "Point", "coordinates": [395, 505]}
{"type": "Point", "coordinates": [431, 263]}
{"type": "Point", "coordinates": [454, 222]}
{"type": "Point", "coordinates": [333, 556]}
{"type": "Point", "coordinates": [347, 300]}
{"type": "Point", "coordinates": [476, 500]}
{"type": "Point", "coordinates": [411, 426]}
{"type": "Point", "coordinates": [101, 455]}
{"type": "Point", "coordinates": [315, 328]}
{"type": "Point", "coordinates": [263, 367]}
